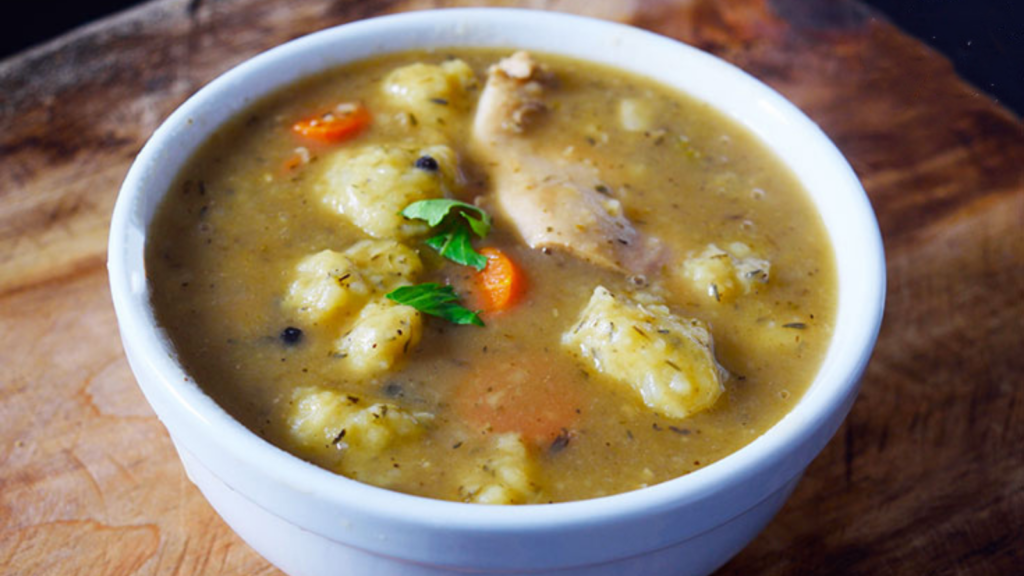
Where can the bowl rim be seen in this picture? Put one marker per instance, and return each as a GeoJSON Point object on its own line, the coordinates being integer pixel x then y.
{"type": "Point", "coordinates": [819, 403]}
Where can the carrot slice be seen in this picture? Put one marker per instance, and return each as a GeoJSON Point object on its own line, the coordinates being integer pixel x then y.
{"type": "Point", "coordinates": [540, 399]}
{"type": "Point", "coordinates": [344, 122]}
{"type": "Point", "coordinates": [501, 283]}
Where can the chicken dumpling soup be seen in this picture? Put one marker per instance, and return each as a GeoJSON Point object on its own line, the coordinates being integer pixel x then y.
{"type": "Point", "coordinates": [494, 277]}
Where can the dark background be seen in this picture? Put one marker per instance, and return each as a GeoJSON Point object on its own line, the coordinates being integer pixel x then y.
{"type": "Point", "coordinates": [983, 38]}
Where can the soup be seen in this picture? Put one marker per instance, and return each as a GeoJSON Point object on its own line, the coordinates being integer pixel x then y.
{"type": "Point", "coordinates": [493, 277]}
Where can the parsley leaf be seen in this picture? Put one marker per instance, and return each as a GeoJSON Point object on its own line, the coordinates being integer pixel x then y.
{"type": "Point", "coordinates": [436, 300]}
{"type": "Point", "coordinates": [434, 211]}
{"type": "Point", "coordinates": [454, 244]}
{"type": "Point", "coordinates": [454, 240]}
{"type": "Point", "coordinates": [481, 226]}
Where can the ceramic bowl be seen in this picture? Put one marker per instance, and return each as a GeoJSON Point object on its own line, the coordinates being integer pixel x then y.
{"type": "Point", "coordinates": [310, 522]}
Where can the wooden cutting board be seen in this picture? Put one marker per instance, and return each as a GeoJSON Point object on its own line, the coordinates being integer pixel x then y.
{"type": "Point", "coordinates": [925, 477]}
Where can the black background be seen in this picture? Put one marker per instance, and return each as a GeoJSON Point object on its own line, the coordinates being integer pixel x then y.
{"type": "Point", "coordinates": [983, 38]}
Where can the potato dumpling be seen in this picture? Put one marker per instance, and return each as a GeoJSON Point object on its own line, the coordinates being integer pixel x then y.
{"type": "Point", "coordinates": [668, 360]}
{"type": "Point", "coordinates": [385, 264]}
{"type": "Point", "coordinates": [430, 91]}
{"type": "Point", "coordinates": [722, 275]}
{"type": "Point", "coordinates": [379, 339]}
{"type": "Point", "coordinates": [503, 475]}
{"type": "Point", "coordinates": [331, 283]}
{"type": "Point", "coordinates": [346, 433]}
{"type": "Point", "coordinates": [371, 185]}
{"type": "Point", "coordinates": [324, 284]}
{"type": "Point", "coordinates": [635, 114]}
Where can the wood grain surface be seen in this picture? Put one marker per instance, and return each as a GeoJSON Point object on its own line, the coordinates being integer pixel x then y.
{"type": "Point", "coordinates": [925, 477]}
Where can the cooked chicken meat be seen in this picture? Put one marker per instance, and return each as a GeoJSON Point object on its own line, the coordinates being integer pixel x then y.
{"type": "Point", "coordinates": [551, 203]}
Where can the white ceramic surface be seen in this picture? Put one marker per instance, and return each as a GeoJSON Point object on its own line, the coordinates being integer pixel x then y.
{"type": "Point", "coordinates": [314, 523]}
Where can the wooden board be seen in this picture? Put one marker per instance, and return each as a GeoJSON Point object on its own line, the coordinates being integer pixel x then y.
{"type": "Point", "coordinates": [926, 476]}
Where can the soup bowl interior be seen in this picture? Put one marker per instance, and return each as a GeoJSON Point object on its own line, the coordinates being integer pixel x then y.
{"type": "Point", "coordinates": [306, 519]}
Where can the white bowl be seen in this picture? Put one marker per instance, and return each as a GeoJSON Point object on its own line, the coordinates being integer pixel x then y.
{"type": "Point", "coordinates": [311, 522]}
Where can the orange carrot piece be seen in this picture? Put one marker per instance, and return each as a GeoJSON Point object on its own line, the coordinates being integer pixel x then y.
{"type": "Point", "coordinates": [539, 399]}
{"type": "Point", "coordinates": [501, 283]}
{"type": "Point", "coordinates": [344, 122]}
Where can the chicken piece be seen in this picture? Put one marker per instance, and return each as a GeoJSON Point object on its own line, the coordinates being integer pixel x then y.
{"type": "Point", "coordinates": [513, 98]}
{"type": "Point", "coordinates": [722, 275]}
{"type": "Point", "coordinates": [667, 360]}
{"type": "Point", "coordinates": [329, 284]}
{"type": "Point", "coordinates": [371, 185]}
{"type": "Point", "coordinates": [550, 203]}
{"type": "Point", "coordinates": [503, 476]}
{"type": "Point", "coordinates": [349, 435]}
{"type": "Point", "coordinates": [551, 207]}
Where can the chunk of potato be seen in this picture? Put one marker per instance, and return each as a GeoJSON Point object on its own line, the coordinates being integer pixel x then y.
{"type": "Point", "coordinates": [503, 476]}
{"type": "Point", "coordinates": [635, 114]}
{"type": "Point", "coordinates": [331, 283]}
{"type": "Point", "coordinates": [723, 275]}
{"type": "Point", "coordinates": [668, 360]}
{"type": "Point", "coordinates": [380, 338]}
{"type": "Point", "coordinates": [346, 434]}
{"type": "Point", "coordinates": [429, 91]}
{"type": "Point", "coordinates": [371, 185]}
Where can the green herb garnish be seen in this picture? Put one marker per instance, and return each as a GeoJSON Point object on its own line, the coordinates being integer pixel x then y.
{"type": "Point", "coordinates": [456, 222]}
{"type": "Point", "coordinates": [436, 300]}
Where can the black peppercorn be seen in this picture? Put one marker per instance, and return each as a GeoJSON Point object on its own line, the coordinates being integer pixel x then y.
{"type": "Point", "coordinates": [291, 335]}
{"type": "Point", "coordinates": [427, 163]}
